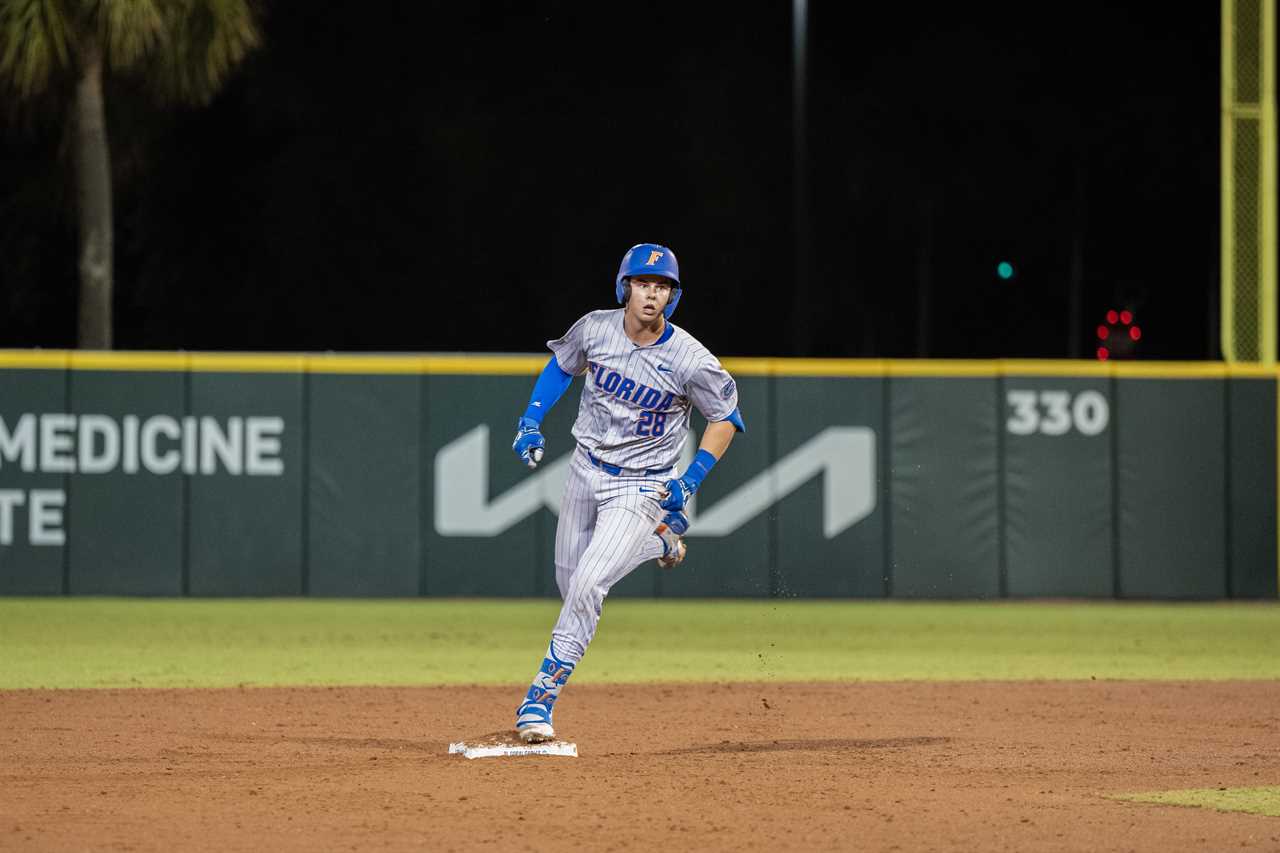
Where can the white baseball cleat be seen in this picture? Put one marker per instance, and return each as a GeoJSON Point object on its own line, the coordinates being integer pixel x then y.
{"type": "Point", "coordinates": [673, 547]}
{"type": "Point", "coordinates": [536, 732]}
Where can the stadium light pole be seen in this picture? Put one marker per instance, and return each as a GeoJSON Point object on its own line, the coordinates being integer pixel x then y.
{"type": "Point", "coordinates": [801, 333]}
{"type": "Point", "coordinates": [1075, 276]}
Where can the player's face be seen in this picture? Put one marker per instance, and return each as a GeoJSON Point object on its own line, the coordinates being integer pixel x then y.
{"type": "Point", "coordinates": [649, 296]}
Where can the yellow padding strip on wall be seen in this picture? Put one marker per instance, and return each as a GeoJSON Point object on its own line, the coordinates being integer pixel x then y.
{"type": "Point", "coordinates": [530, 365]}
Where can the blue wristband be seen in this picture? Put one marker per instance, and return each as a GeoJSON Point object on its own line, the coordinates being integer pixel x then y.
{"type": "Point", "coordinates": [699, 468]}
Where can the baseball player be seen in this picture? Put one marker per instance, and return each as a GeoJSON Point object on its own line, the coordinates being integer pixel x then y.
{"type": "Point", "coordinates": [623, 502]}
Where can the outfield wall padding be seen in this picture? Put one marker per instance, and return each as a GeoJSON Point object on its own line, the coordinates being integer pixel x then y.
{"type": "Point", "coordinates": [505, 560]}
{"type": "Point", "coordinates": [1251, 493]}
{"type": "Point", "coordinates": [743, 558]}
{"type": "Point", "coordinates": [944, 487]}
{"type": "Point", "coordinates": [26, 568]}
{"type": "Point", "coordinates": [208, 475]}
{"type": "Point", "coordinates": [245, 530]}
{"type": "Point", "coordinates": [363, 497]}
{"type": "Point", "coordinates": [125, 527]}
{"type": "Point", "coordinates": [851, 562]}
{"type": "Point", "coordinates": [1171, 489]}
{"type": "Point", "coordinates": [1058, 496]}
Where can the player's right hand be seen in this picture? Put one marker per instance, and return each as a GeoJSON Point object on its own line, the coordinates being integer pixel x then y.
{"type": "Point", "coordinates": [529, 443]}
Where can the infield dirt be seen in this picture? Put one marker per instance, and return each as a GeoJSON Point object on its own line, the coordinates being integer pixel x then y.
{"type": "Point", "coordinates": [904, 766]}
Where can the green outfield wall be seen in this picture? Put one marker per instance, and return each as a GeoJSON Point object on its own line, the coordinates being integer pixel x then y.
{"type": "Point", "coordinates": [339, 475]}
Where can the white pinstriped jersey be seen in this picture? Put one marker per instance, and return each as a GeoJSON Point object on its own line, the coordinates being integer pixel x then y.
{"type": "Point", "coordinates": [637, 401]}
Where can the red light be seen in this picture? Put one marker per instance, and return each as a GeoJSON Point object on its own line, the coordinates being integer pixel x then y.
{"type": "Point", "coordinates": [1103, 332]}
{"type": "Point", "coordinates": [1126, 317]}
{"type": "Point", "coordinates": [1103, 353]}
{"type": "Point", "coordinates": [1135, 332]}
{"type": "Point", "coordinates": [1112, 316]}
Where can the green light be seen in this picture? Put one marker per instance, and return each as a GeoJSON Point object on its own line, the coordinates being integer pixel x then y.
{"type": "Point", "coordinates": [1004, 269]}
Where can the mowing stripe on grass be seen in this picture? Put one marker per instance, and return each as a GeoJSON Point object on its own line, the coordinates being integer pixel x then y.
{"type": "Point", "coordinates": [106, 642]}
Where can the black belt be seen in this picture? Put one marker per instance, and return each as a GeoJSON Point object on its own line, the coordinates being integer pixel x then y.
{"type": "Point", "coordinates": [618, 471]}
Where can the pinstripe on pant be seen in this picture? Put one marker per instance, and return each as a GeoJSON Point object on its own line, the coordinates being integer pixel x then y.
{"type": "Point", "coordinates": [605, 531]}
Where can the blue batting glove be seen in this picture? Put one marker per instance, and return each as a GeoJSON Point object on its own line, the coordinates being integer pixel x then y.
{"type": "Point", "coordinates": [677, 521]}
{"type": "Point", "coordinates": [529, 443]}
{"type": "Point", "coordinates": [677, 494]}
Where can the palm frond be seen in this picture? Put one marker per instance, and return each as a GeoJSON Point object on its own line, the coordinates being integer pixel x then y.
{"type": "Point", "coordinates": [37, 39]}
{"type": "Point", "coordinates": [127, 29]}
{"type": "Point", "coordinates": [206, 40]}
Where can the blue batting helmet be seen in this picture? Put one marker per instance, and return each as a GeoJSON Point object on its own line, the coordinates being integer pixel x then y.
{"type": "Point", "coordinates": [650, 259]}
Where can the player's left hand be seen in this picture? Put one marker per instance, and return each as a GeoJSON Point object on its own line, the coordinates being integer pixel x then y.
{"type": "Point", "coordinates": [677, 521]}
{"type": "Point", "coordinates": [676, 494]}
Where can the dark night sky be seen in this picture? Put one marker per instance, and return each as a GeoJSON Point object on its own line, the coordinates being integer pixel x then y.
{"type": "Point", "coordinates": [440, 177]}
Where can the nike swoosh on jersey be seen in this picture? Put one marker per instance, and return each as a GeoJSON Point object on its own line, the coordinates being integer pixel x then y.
{"type": "Point", "coordinates": [653, 491]}
{"type": "Point", "coordinates": [665, 369]}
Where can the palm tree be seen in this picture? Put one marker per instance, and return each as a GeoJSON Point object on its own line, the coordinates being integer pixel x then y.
{"type": "Point", "coordinates": [184, 49]}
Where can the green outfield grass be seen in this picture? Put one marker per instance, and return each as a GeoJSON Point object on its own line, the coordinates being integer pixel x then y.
{"type": "Point", "coordinates": [97, 642]}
